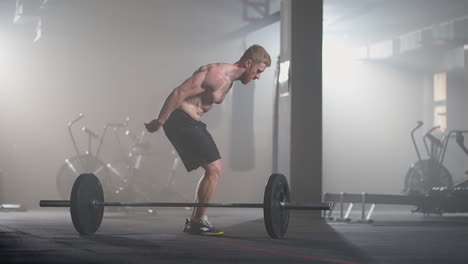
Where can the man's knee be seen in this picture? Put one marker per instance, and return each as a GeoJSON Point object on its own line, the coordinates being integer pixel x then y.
{"type": "Point", "coordinates": [213, 169]}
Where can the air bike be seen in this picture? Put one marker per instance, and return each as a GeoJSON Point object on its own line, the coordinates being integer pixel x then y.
{"type": "Point", "coordinates": [428, 184]}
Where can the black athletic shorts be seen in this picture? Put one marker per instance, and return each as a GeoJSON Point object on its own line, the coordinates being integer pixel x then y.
{"type": "Point", "coordinates": [191, 140]}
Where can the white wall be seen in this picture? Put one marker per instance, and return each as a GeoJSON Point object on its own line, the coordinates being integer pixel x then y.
{"type": "Point", "coordinates": [369, 110]}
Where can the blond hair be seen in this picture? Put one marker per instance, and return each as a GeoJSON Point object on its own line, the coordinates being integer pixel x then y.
{"type": "Point", "coordinates": [257, 54]}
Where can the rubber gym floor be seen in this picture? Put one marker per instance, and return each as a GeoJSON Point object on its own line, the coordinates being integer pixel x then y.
{"type": "Point", "coordinates": [46, 235]}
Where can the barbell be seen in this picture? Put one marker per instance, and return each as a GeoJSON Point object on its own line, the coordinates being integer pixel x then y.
{"type": "Point", "coordinates": [87, 205]}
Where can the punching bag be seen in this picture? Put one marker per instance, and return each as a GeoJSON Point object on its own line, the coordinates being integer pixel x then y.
{"type": "Point", "coordinates": [242, 147]}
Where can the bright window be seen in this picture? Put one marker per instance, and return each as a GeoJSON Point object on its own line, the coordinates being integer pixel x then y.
{"type": "Point", "coordinates": [440, 100]}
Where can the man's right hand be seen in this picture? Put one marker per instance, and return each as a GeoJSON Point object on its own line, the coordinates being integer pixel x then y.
{"type": "Point", "coordinates": [153, 126]}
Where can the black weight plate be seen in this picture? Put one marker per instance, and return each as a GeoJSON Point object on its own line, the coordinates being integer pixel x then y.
{"type": "Point", "coordinates": [276, 218]}
{"type": "Point", "coordinates": [85, 217]}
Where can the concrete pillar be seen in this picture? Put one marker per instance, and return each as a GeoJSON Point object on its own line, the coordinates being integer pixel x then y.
{"type": "Point", "coordinates": [304, 18]}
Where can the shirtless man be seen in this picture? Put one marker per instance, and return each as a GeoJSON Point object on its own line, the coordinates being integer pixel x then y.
{"type": "Point", "coordinates": [180, 117]}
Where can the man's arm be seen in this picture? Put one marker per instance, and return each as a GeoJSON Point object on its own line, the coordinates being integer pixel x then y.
{"type": "Point", "coordinates": [190, 87]}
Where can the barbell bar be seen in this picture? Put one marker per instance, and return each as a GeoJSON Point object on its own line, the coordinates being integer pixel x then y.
{"type": "Point", "coordinates": [87, 205]}
{"type": "Point", "coordinates": [283, 205]}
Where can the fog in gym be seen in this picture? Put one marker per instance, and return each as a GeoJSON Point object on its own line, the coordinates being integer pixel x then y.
{"type": "Point", "coordinates": [70, 69]}
{"type": "Point", "coordinates": [115, 59]}
{"type": "Point", "coordinates": [110, 60]}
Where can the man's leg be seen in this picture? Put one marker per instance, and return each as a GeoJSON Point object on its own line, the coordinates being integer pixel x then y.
{"type": "Point", "coordinates": [206, 187]}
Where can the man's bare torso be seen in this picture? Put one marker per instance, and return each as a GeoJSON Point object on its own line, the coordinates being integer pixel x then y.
{"type": "Point", "coordinates": [215, 90]}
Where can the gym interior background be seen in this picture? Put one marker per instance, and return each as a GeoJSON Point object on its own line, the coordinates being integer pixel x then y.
{"type": "Point", "coordinates": [383, 63]}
